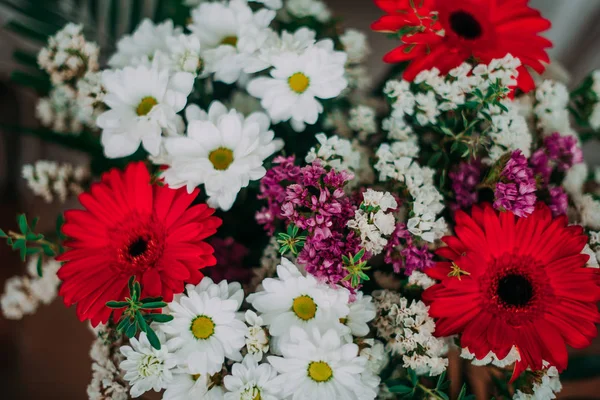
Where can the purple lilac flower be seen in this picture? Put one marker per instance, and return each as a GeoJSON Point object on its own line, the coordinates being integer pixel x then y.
{"type": "Point", "coordinates": [559, 201]}
{"type": "Point", "coordinates": [401, 252]}
{"type": "Point", "coordinates": [540, 163]}
{"type": "Point", "coordinates": [516, 190]}
{"type": "Point", "coordinates": [564, 151]}
{"type": "Point", "coordinates": [464, 182]}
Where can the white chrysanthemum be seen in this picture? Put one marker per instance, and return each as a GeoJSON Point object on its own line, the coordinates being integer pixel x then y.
{"type": "Point", "coordinates": [205, 330]}
{"type": "Point", "coordinates": [362, 311]}
{"type": "Point", "coordinates": [544, 388]}
{"type": "Point", "coordinates": [143, 103]}
{"type": "Point", "coordinates": [298, 80]}
{"type": "Point", "coordinates": [222, 150]}
{"type": "Point", "coordinates": [185, 386]}
{"type": "Point", "coordinates": [182, 54]}
{"type": "Point", "coordinates": [257, 338]}
{"type": "Point", "coordinates": [356, 45]}
{"type": "Point", "coordinates": [250, 380]}
{"type": "Point", "coordinates": [229, 33]}
{"type": "Point", "coordinates": [320, 366]}
{"type": "Point", "coordinates": [308, 8]}
{"type": "Point", "coordinates": [296, 300]}
{"type": "Point", "coordinates": [140, 47]}
{"type": "Point", "coordinates": [376, 355]}
{"type": "Point", "coordinates": [145, 367]}
{"type": "Point", "coordinates": [335, 152]}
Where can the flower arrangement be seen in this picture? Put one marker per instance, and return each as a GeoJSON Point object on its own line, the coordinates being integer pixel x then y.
{"type": "Point", "coordinates": [256, 223]}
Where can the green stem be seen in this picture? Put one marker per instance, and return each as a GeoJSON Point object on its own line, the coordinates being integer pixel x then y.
{"type": "Point", "coordinates": [430, 392]}
{"type": "Point", "coordinates": [16, 236]}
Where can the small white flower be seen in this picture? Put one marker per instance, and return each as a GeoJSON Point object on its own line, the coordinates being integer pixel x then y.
{"type": "Point", "coordinates": [185, 385]}
{"type": "Point", "coordinates": [544, 388]}
{"type": "Point", "coordinates": [356, 45]}
{"type": "Point", "coordinates": [575, 179]}
{"type": "Point", "coordinates": [492, 358]}
{"type": "Point", "coordinates": [145, 367]}
{"type": "Point", "coordinates": [320, 366]}
{"type": "Point", "coordinates": [250, 380]}
{"type": "Point", "coordinates": [308, 8]}
{"type": "Point", "coordinates": [362, 120]}
{"type": "Point", "coordinates": [48, 179]}
{"type": "Point", "coordinates": [257, 339]}
{"type": "Point", "coordinates": [418, 278]}
{"type": "Point", "coordinates": [182, 54]}
{"type": "Point", "coordinates": [589, 210]}
{"type": "Point", "coordinates": [376, 355]}
{"type": "Point", "coordinates": [143, 102]}
{"type": "Point", "coordinates": [383, 200]}
{"type": "Point", "coordinates": [205, 330]}
{"type": "Point", "coordinates": [60, 111]}
{"type": "Point", "coordinates": [222, 150]}
{"type": "Point", "coordinates": [335, 152]}
{"type": "Point", "coordinates": [551, 109]}
{"type": "Point", "coordinates": [593, 261]}
{"type": "Point", "coordinates": [362, 311]}
{"type": "Point", "coordinates": [298, 80]}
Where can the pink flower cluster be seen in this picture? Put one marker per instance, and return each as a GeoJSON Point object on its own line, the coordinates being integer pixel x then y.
{"type": "Point", "coordinates": [559, 152]}
{"type": "Point", "coordinates": [313, 199]}
{"type": "Point", "coordinates": [516, 190]}
{"type": "Point", "coordinates": [402, 253]}
{"type": "Point", "coordinates": [464, 184]}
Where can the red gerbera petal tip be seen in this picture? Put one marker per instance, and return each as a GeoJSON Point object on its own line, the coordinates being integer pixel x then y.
{"type": "Point", "coordinates": [132, 227]}
{"type": "Point", "coordinates": [445, 33]}
{"type": "Point", "coordinates": [516, 282]}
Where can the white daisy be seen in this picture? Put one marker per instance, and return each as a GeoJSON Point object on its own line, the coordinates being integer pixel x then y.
{"type": "Point", "coordinates": [143, 103]}
{"type": "Point", "coordinates": [222, 150]}
{"type": "Point", "coordinates": [257, 338]}
{"type": "Point", "coordinates": [316, 366]}
{"type": "Point", "coordinates": [139, 47]}
{"type": "Point", "coordinates": [249, 381]}
{"type": "Point", "coordinates": [205, 330]}
{"type": "Point", "coordinates": [298, 80]}
{"type": "Point", "coordinates": [228, 33]}
{"type": "Point", "coordinates": [182, 54]}
{"type": "Point", "coordinates": [145, 367]}
{"type": "Point", "coordinates": [362, 310]}
{"type": "Point", "coordinates": [296, 300]}
{"type": "Point", "coordinates": [185, 385]}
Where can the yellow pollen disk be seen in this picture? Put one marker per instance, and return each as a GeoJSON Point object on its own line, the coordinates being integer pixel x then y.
{"type": "Point", "coordinates": [304, 307]}
{"type": "Point", "coordinates": [319, 371]}
{"type": "Point", "coordinates": [230, 40]}
{"type": "Point", "coordinates": [298, 82]}
{"type": "Point", "coordinates": [146, 105]}
{"type": "Point", "coordinates": [202, 327]}
{"type": "Point", "coordinates": [221, 158]}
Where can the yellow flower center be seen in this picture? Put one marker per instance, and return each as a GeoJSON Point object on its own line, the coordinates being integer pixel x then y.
{"type": "Point", "coordinates": [203, 327]}
{"type": "Point", "coordinates": [146, 105]}
{"type": "Point", "coordinates": [195, 377]}
{"type": "Point", "coordinates": [298, 82]}
{"type": "Point", "coordinates": [304, 307]}
{"type": "Point", "coordinates": [252, 392]}
{"type": "Point", "coordinates": [221, 158]}
{"type": "Point", "coordinates": [319, 371]}
{"type": "Point", "coordinates": [230, 41]}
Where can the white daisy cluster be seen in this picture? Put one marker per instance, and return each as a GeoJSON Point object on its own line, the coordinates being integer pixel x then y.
{"type": "Point", "coordinates": [362, 120]}
{"type": "Point", "coordinates": [68, 55]}
{"type": "Point", "coordinates": [316, 9]}
{"type": "Point", "coordinates": [397, 162]}
{"type": "Point", "coordinates": [48, 179]}
{"type": "Point", "coordinates": [594, 118]}
{"type": "Point", "coordinates": [312, 326]}
{"type": "Point", "coordinates": [107, 381]}
{"type": "Point", "coordinates": [24, 294]}
{"type": "Point", "coordinates": [223, 150]}
{"type": "Point", "coordinates": [373, 221]}
{"type": "Point", "coordinates": [335, 152]}
{"type": "Point", "coordinates": [408, 330]}
{"type": "Point", "coordinates": [491, 358]}
{"type": "Point", "coordinates": [551, 108]}
{"type": "Point", "coordinates": [544, 386]}
{"type": "Point", "coordinates": [60, 111]}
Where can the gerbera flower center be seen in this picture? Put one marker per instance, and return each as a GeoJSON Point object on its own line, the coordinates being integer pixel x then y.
{"type": "Point", "coordinates": [146, 105]}
{"type": "Point", "coordinates": [304, 307]}
{"type": "Point", "coordinates": [202, 327]}
{"type": "Point", "coordinates": [465, 25]}
{"type": "Point", "coordinates": [515, 290]}
{"type": "Point", "coordinates": [298, 82]}
{"type": "Point", "coordinates": [230, 41]}
{"type": "Point", "coordinates": [149, 366]}
{"type": "Point", "coordinates": [139, 244]}
{"type": "Point", "coordinates": [221, 158]}
{"type": "Point", "coordinates": [138, 247]}
{"type": "Point", "coordinates": [319, 371]}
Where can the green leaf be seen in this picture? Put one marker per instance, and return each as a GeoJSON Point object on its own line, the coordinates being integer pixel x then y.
{"type": "Point", "coordinates": [413, 376]}
{"type": "Point", "coordinates": [441, 380]}
{"type": "Point", "coordinates": [154, 305]}
{"type": "Point", "coordinates": [2, 234]}
{"type": "Point", "coordinates": [48, 251]}
{"type": "Point", "coordinates": [150, 300]}
{"type": "Point", "coordinates": [131, 329]}
{"type": "Point", "coordinates": [153, 339]}
{"type": "Point", "coordinates": [130, 284]}
{"type": "Point", "coordinates": [137, 290]}
{"type": "Point", "coordinates": [359, 255]}
{"type": "Point", "coordinates": [123, 324]}
{"type": "Point", "coordinates": [117, 304]}
{"type": "Point", "coordinates": [33, 237]}
{"type": "Point", "coordinates": [443, 395]}
{"type": "Point", "coordinates": [463, 392]}
{"type": "Point", "coordinates": [34, 222]}
{"type": "Point", "coordinates": [22, 221]}
{"type": "Point", "coordinates": [141, 322]}
{"type": "Point", "coordinates": [582, 367]}
{"type": "Point", "coordinates": [160, 318]}
{"type": "Point", "coordinates": [400, 389]}
{"type": "Point", "coordinates": [39, 265]}
{"type": "Point", "coordinates": [60, 221]}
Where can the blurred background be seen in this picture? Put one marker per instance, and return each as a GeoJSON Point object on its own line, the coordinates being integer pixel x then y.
{"type": "Point", "coordinates": [45, 356]}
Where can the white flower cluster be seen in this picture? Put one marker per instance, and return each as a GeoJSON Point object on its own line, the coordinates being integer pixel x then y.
{"type": "Point", "coordinates": [90, 98]}
{"type": "Point", "coordinates": [491, 358]}
{"type": "Point", "coordinates": [373, 221]}
{"type": "Point", "coordinates": [362, 120]}
{"type": "Point", "coordinates": [593, 249]}
{"type": "Point", "coordinates": [308, 8]}
{"type": "Point", "coordinates": [335, 152]}
{"type": "Point", "coordinates": [68, 55]}
{"type": "Point", "coordinates": [397, 162]}
{"type": "Point", "coordinates": [589, 210]}
{"type": "Point", "coordinates": [24, 294]}
{"type": "Point", "coordinates": [408, 330]}
{"type": "Point", "coordinates": [594, 119]}
{"type": "Point", "coordinates": [357, 47]}
{"type": "Point", "coordinates": [509, 131]}
{"type": "Point", "coordinates": [544, 387]}
{"type": "Point", "coordinates": [107, 382]}
{"type": "Point", "coordinates": [48, 179]}
{"type": "Point", "coordinates": [551, 108]}
{"type": "Point", "coordinates": [60, 111]}
{"type": "Point", "coordinates": [418, 278]}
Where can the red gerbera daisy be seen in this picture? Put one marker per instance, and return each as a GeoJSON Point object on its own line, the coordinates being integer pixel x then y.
{"type": "Point", "coordinates": [515, 282]}
{"type": "Point", "coordinates": [132, 227]}
{"type": "Point", "coordinates": [445, 33]}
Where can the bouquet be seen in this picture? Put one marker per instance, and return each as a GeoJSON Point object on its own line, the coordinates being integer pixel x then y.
{"type": "Point", "coordinates": [258, 220]}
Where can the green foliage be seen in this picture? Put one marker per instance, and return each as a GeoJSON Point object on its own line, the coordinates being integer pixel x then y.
{"type": "Point", "coordinates": [137, 314]}
{"type": "Point", "coordinates": [291, 241]}
{"type": "Point", "coordinates": [410, 387]}
{"type": "Point", "coordinates": [356, 268]}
